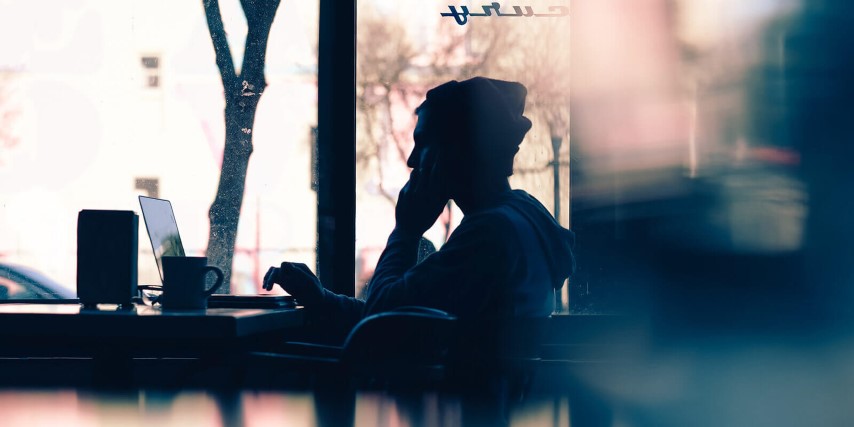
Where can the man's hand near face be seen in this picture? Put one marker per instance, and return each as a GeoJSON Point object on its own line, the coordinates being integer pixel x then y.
{"type": "Point", "coordinates": [421, 201]}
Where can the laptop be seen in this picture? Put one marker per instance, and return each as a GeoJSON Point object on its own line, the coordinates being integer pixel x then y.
{"type": "Point", "coordinates": [166, 241]}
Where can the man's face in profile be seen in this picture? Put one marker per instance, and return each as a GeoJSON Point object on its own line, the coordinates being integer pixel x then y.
{"type": "Point", "coordinates": [425, 153]}
{"type": "Point", "coordinates": [428, 156]}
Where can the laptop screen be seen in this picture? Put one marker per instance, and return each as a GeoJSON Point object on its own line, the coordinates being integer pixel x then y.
{"type": "Point", "coordinates": [162, 229]}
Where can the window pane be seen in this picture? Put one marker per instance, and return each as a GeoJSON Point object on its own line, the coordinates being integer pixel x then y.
{"type": "Point", "coordinates": [404, 48]}
{"type": "Point", "coordinates": [101, 101]}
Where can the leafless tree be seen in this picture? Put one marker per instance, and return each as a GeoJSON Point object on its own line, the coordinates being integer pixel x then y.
{"type": "Point", "coordinates": [385, 53]}
{"type": "Point", "coordinates": [242, 89]}
{"type": "Point", "coordinates": [471, 50]}
{"type": "Point", "coordinates": [542, 61]}
{"type": "Point", "coordinates": [391, 74]}
{"type": "Point", "coordinates": [534, 52]}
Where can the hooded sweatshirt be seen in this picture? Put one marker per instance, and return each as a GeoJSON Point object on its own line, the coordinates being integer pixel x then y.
{"type": "Point", "coordinates": [503, 261]}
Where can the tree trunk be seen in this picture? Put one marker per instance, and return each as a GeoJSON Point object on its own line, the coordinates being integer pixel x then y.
{"type": "Point", "coordinates": [242, 93]}
{"type": "Point", "coordinates": [224, 213]}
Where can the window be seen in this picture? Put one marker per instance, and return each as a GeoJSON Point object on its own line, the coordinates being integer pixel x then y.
{"type": "Point", "coordinates": [405, 48]}
{"type": "Point", "coordinates": [151, 186]}
{"type": "Point", "coordinates": [659, 128]}
{"type": "Point", "coordinates": [113, 99]}
{"type": "Point", "coordinates": [151, 67]}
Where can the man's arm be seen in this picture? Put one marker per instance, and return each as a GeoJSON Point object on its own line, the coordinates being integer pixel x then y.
{"type": "Point", "coordinates": [460, 278]}
{"type": "Point", "coordinates": [399, 255]}
{"type": "Point", "coordinates": [340, 309]}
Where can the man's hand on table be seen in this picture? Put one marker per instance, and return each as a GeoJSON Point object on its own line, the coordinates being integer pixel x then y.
{"type": "Point", "coordinates": [297, 280]}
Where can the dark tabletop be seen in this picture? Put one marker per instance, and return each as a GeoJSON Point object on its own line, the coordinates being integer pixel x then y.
{"type": "Point", "coordinates": [142, 321]}
{"type": "Point", "coordinates": [60, 328]}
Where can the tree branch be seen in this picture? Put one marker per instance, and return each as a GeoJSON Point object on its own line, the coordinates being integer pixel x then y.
{"type": "Point", "coordinates": [259, 13]}
{"type": "Point", "coordinates": [398, 144]}
{"type": "Point", "coordinates": [224, 62]}
{"type": "Point", "coordinates": [252, 70]}
{"type": "Point", "coordinates": [259, 18]}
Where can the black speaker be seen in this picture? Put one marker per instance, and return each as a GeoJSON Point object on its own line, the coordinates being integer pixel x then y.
{"type": "Point", "coordinates": [107, 247]}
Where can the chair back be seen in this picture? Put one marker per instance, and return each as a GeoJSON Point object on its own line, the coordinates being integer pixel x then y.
{"type": "Point", "coordinates": [405, 342]}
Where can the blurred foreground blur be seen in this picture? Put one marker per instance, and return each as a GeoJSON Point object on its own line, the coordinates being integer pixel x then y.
{"type": "Point", "coordinates": [711, 154]}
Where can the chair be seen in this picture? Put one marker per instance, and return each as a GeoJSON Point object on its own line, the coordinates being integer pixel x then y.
{"type": "Point", "coordinates": [404, 347]}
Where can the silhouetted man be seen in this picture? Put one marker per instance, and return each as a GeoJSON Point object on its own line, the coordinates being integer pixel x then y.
{"type": "Point", "coordinates": [508, 254]}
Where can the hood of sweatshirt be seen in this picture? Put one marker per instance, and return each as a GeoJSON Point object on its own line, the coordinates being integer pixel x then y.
{"type": "Point", "coordinates": [557, 241]}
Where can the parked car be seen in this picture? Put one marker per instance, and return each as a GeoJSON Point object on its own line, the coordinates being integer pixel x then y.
{"type": "Point", "coordinates": [19, 282]}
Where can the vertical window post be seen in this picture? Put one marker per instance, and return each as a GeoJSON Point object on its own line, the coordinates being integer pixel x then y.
{"type": "Point", "coordinates": [336, 146]}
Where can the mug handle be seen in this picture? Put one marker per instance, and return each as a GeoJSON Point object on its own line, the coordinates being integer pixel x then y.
{"type": "Point", "coordinates": [219, 278]}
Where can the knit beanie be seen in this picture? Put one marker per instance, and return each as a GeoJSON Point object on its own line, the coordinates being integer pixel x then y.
{"type": "Point", "coordinates": [482, 118]}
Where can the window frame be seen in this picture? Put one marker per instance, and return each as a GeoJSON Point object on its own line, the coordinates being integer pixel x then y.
{"type": "Point", "coordinates": [336, 146]}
